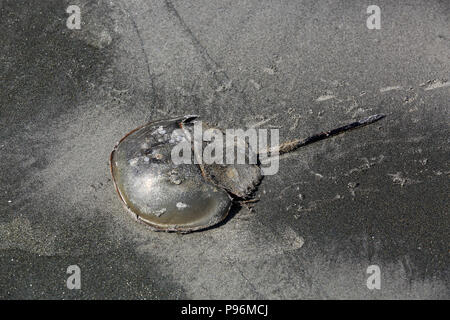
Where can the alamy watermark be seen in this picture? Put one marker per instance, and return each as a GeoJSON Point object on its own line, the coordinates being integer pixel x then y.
{"type": "Point", "coordinates": [234, 146]}
{"type": "Point", "coordinates": [374, 280]}
{"type": "Point", "coordinates": [74, 280]}
{"type": "Point", "coordinates": [73, 22]}
{"type": "Point", "coordinates": [374, 20]}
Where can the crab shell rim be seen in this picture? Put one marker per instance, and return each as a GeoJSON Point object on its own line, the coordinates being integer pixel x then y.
{"type": "Point", "coordinates": [153, 226]}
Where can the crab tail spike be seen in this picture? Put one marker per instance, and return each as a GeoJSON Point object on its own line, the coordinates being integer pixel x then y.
{"type": "Point", "coordinates": [298, 143]}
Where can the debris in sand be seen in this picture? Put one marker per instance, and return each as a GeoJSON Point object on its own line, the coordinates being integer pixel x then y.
{"type": "Point", "coordinates": [435, 84]}
{"type": "Point", "coordinates": [423, 161]}
{"type": "Point", "coordinates": [293, 240]}
{"type": "Point", "coordinates": [398, 178]}
{"type": "Point", "coordinates": [352, 186]}
{"type": "Point", "coordinates": [386, 89]}
{"type": "Point", "coordinates": [224, 87]}
{"type": "Point", "coordinates": [270, 70]}
{"type": "Point", "coordinates": [255, 84]}
{"type": "Point", "coordinates": [325, 97]}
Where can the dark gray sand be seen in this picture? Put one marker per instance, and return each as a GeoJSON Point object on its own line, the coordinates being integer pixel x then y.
{"type": "Point", "coordinates": [374, 196]}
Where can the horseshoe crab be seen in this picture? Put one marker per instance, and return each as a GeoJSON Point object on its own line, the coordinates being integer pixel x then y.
{"type": "Point", "coordinates": [186, 197]}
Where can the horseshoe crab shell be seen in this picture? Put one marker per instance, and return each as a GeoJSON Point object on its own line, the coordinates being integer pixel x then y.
{"type": "Point", "coordinates": [165, 196]}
